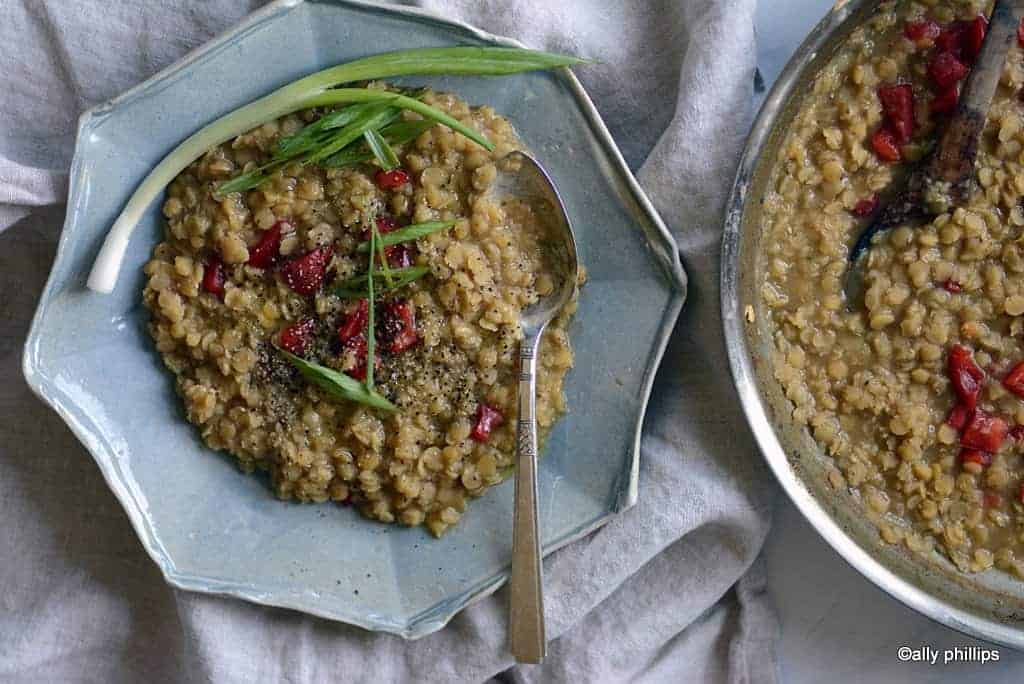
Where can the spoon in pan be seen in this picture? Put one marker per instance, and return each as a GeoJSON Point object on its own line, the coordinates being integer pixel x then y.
{"type": "Point", "coordinates": [944, 180]}
{"type": "Point", "coordinates": [520, 176]}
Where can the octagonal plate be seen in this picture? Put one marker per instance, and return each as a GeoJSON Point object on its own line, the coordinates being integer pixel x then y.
{"type": "Point", "coordinates": [212, 529]}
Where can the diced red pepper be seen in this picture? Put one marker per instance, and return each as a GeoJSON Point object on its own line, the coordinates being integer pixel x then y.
{"type": "Point", "coordinates": [358, 371]}
{"type": "Point", "coordinates": [355, 323]}
{"type": "Point", "coordinates": [297, 336]}
{"type": "Point", "coordinates": [357, 345]}
{"type": "Point", "coordinates": [964, 375]}
{"type": "Point", "coordinates": [945, 101]}
{"type": "Point", "coordinates": [213, 276]}
{"type": "Point", "coordinates": [399, 256]}
{"type": "Point", "coordinates": [974, 36]}
{"type": "Point", "coordinates": [981, 458]}
{"type": "Point", "coordinates": [958, 416]}
{"type": "Point", "coordinates": [1014, 380]}
{"type": "Point", "coordinates": [926, 29]}
{"type": "Point", "coordinates": [1020, 33]}
{"type": "Point", "coordinates": [952, 286]}
{"type": "Point", "coordinates": [883, 141]}
{"type": "Point", "coordinates": [385, 224]}
{"type": "Point", "coordinates": [946, 70]}
{"type": "Point", "coordinates": [1017, 433]}
{"type": "Point", "coordinates": [984, 432]}
{"type": "Point", "coordinates": [305, 274]}
{"type": "Point", "coordinates": [866, 207]}
{"type": "Point", "coordinates": [397, 329]}
{"type": "Point", "coordinates": [389, 180]}
{"type": "Point", "coordinates": [992, 500]}
{"type": "Point", "coordinates": [265, 252]}
{"type": "Point", "coordinates": [963, 38]}
{"type": "Point", "coordinates": [952, 37]}
{"type": "Point", "coordinates": [487, 418]}
{"type": "Point", "coordinates": [898, 107]}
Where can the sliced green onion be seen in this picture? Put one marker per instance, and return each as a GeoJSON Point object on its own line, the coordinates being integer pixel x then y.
{"type": "Point", "coordinates": [335, 137]}
{"type": "Point", "coordinates": [409, 274]}
{"type": "Point", "coordinates": [371, 337]}
{"type": "Point", "coordinates": [382, 251]}
{"type": "Point", "coordinates": [310, 136]}
{"type": "Point", "coordinates": [343, 137]}
{"type": "Point", "coordinates": [385, 113]}
{"type": "Point", "coordinates": [346, 95]}
{"type": "Point", "coordinates": [250, 180]}
{"type": "Point", "coordinates": [406, 131]}
{"type": "Point", "coordinates": [302, 94]}
{"type": "Point", "coordinates": [355, 288]}
{"type": "Point", "coordinates": [455, 61]}
{"type": "Point", "coordinates": [396, 134]}
{"type": "Point", "coordinates": [411, 232]}
{"type": "Point", "coordinates": [345, 158]}
{"type": "Point", "coordinates": [386, 156]}
{"type": "Point", "coordinates": [338, 384]}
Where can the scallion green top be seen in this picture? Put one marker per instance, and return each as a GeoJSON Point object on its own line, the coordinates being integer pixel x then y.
{"type": "Point", "coordinates": [413, 231]}
{"type": "Point", "coordinates": [316, 90]}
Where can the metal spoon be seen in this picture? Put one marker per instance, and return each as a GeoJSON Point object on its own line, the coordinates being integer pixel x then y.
{"type": "Point", "coordinates": [522, 177]}
{"type": "Point", "coordinates": [946, 177]}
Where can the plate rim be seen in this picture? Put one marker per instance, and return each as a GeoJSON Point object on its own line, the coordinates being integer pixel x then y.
{"type": "Point", "coordinates": [436, 617]}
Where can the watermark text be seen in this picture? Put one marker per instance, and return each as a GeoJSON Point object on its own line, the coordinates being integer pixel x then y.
{"type": "Point", "coordinates": [947, 656]}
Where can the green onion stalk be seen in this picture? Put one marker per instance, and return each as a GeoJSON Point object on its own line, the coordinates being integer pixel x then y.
{"type": "Point", "coordinates": [371, 334]}
{"type": "Point", "coordinates": [355, 288]}
{"type": "Point", "coordinates": [338, 384]}
{"type": "Point", "coordinates": [317, 90]}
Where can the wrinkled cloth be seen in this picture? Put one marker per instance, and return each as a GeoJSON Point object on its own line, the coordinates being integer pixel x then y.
{"type": "Point", "coordinates": [670, 590]}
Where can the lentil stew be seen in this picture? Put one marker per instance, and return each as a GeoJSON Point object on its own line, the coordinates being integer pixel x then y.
{"type": "Point", "coordinates": [242, 276]}
{"type": "Point", "coordinates": [916, 398]}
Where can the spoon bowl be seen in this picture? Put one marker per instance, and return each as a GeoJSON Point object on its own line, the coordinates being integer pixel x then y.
{"type": "Point", "coordinates": [520, 176]}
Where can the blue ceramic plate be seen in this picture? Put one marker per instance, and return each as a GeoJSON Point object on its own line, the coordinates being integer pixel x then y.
{"type": "Point", "coordinates": [212, 529]}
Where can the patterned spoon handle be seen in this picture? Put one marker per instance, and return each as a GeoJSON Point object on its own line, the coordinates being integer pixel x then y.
{"type": "Point", "coordinates": [526, 613]}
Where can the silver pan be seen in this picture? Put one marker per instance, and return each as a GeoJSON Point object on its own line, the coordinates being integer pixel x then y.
{"type": "Point", "coordinates": [989, 605]}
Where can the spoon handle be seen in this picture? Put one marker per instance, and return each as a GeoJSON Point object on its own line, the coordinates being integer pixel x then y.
{"type": "Point", "coordinates": [526, 613]}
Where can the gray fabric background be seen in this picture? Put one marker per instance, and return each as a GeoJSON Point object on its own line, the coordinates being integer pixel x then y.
{"type": "Point", "coordinates": [669, 591]}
